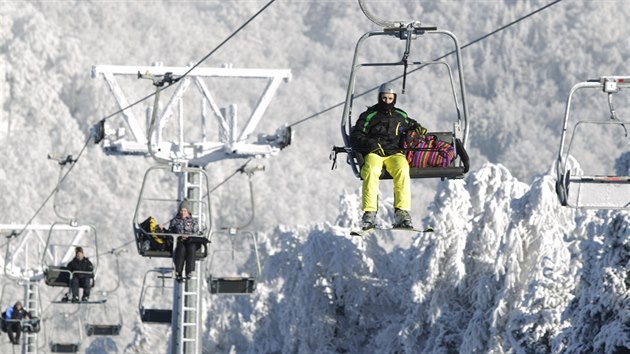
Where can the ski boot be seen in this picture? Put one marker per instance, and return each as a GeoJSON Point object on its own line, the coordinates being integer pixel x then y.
{"type": "Point", "coordinates": [402, 219]}
{"type": "Point", "coordinates": [368, 220]}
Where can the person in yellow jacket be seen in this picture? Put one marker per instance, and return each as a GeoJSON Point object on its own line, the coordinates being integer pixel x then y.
{"type": "Point", "coordinates": [377, 135]}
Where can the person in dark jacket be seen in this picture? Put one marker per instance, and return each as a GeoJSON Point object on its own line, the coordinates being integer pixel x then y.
{"type": "Point", "coordinates": [82, 274]}
{"type": "Point", "coordinates": [12, 320]}
{"type": "Point", "coordinates": [184, 224]}
{"type": "Point", "coordinates": [377, 135]}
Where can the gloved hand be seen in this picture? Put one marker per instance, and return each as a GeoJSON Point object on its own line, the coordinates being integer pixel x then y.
{"type": "Point", "coordinates": [420, 129]}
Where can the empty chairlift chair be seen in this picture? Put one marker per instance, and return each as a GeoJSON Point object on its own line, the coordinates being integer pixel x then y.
{"type": "Point", "coordinates": [66, 334]}
{"type": "Point", "coordinates": [234, 266]}
{"type": "Point", "coordinates": [597, 183]}
{"type": "Point", "coordinates": [156, 296]}
{"type": "Point", "coordinates": [104, 319]}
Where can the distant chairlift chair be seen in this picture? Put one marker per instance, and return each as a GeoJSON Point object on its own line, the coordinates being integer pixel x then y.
{"type": "Point", "coordinates": [233, 269]}
{"type": "Point", "coordinates": [578, 190]}
{"type": "Point", "coordinates": [98, 327]}
{"type": "Point", "coordinates": [69, 326]}
{"type": "Point", "coordinates": [156, 315]}
{"type": "Point", "coordinates": [57, 274]}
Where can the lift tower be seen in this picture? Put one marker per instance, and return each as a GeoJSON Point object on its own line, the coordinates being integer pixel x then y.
{"type": "Point", "coordinates": [184, 146]}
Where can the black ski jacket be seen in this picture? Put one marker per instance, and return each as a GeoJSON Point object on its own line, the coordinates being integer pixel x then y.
{"type": "Point", "coordinates": [381, 132]}
{"type": "Point", "coordinates": [81, 265]}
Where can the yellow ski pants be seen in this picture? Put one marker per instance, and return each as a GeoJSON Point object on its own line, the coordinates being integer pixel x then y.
{"type": "Point", "coordinates": [398, 168]}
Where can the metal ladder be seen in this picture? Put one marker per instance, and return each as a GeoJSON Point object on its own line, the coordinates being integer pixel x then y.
{"type": "Point", "coordinates": [31, 294]}
{"type": "Point", "coordinates": [187, 329]}
{"type": "Point", "coordinates": [188, 297]}
{"type": "Point", "coordinates": [193, 190]}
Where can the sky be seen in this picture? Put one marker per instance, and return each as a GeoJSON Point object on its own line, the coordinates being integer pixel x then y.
{"type": "Point", "coordinates": [507, 270]}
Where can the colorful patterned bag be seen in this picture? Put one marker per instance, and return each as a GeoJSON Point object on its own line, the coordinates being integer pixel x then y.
{"type": "Point", "coordinates": [427, 150]}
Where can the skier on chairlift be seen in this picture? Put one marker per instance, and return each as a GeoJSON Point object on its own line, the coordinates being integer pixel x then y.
{"type": "Point", "coordinates": [82, 273]}
{"type": "Point", "coordinates": [377, 135]}
{"type": "Point", "coordinates": [11, 321]}
{"type": "Point", "coordinates": [184, 224]}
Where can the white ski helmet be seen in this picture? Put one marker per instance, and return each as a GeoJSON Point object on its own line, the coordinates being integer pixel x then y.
{"type": "Point", "coordinates": [386, 88]}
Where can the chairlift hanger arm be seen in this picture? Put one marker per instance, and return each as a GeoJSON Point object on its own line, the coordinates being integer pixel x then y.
{"type": "Point", "coordinates": [346, 120]}
{"type": "Point", "coordinates": [608, 84]}
{"type": "Point", "coordinates": [62, 163]}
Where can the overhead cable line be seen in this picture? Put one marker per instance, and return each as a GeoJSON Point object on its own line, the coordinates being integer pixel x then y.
{"type": "Point", "coordinates": [55, 190]}
{"type": "Point", "coordinates": [132, 105]}
{"type": "Point", "coordinates": [439, 58]}
{"type": "Point", "coordinates": [117, 250]}
{"type": "Point", "coordinates": [240, 169]}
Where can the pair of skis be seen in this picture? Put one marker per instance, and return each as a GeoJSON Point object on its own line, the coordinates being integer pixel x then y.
{"type": "Point", "coordinates": [363, 233]}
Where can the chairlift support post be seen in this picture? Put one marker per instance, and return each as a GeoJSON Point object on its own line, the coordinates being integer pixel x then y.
{"type": "Point", "coordinates": [409, 32]}
{"type": "Point", "coordinates": [594, 191]}
{"type": "Point", "coordinates": [31, 326]}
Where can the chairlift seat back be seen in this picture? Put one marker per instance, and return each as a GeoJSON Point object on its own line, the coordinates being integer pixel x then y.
{"type": "Point", "coordinates": [57, 276]}
{"type": "Point", "coordinates": [102, 330]}
{"type": "Point", "coordinates": [143, 236]}
{"type": "Point", "coordinates": [64, 347]}
{"type": "Point", "coordinates": [156, 315]}
{"type": "Point", "coordinates": [232, 285]}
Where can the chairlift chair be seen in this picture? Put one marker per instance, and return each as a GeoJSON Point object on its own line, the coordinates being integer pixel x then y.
{"type": "Point", "coordinates": [68, 325]}
{"type": "Point", "coordinates": [153, 314]}
{"type": "Point", "coordinates": [31, 325]}
{"type": "Point", "coordinates": [104, 319]}
{"type": "Point", "coordinates": [577, 189]}
{"type": "Point", "coordinates": [151, 202]}
{"type": "Point", "coordinates": [59, 251]}
{"type": "Point", "coordinates": [234, 268]}
{"type": "Point", "coordinates": [412, 32]}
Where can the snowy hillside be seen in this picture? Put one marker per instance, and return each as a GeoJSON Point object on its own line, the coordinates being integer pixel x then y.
{"type": "Point", "coordinates": [507, 270]}
{"type": "Point", "coordinates": [503, 272]}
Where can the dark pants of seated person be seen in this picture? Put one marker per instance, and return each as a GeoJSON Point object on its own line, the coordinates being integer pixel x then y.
{"type": "Point", "coordinates": [84, 283]}
{"type": "Point", "coordinates": [185, 250]}
{"type": "Point", "coordinates": [14, 329]}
